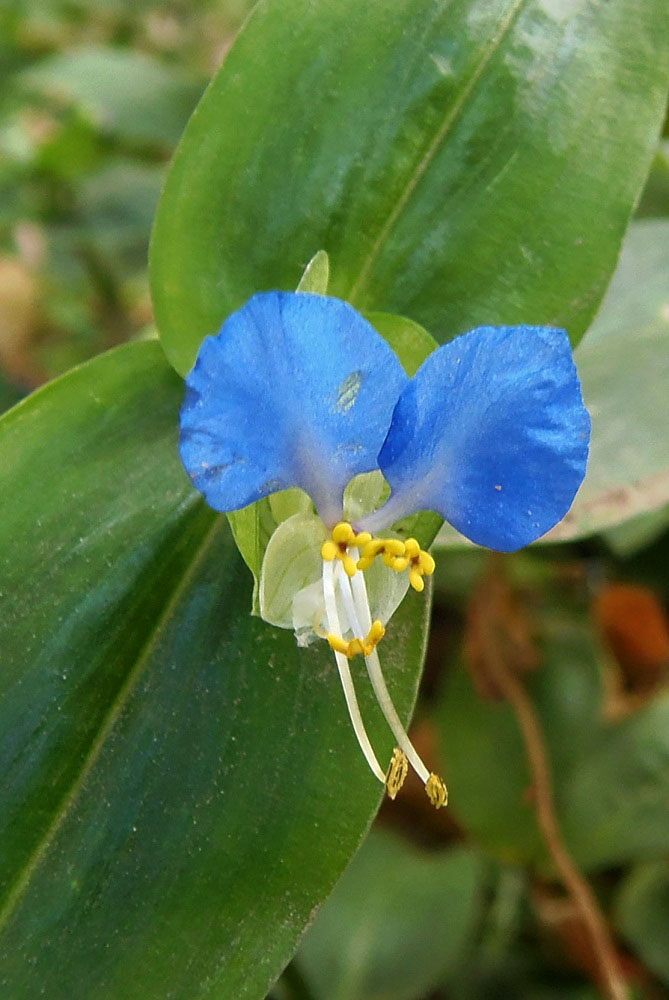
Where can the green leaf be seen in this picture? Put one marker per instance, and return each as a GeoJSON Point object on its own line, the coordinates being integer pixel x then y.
{"type": "Point", "coordinates": [127, 94]}
{"type": "Point", "coordinates": [624, 368]}
{"type": "Point", "coordinates": [617, 804]}
{"type": "Point", "coordinates": [253, 526]}
{"type": "Point", "coordinates": [441, 153]}
{"type": "Point", "coordinates": [165, 757]}
{"type": "Point", "coordinates": [395, 923]}
{"type": "Point", "coordinates": [642, 915]}
{"type": "Point", "coordinates": [633, 536]}
{"type": "Point", "coordinates": [611, 779]}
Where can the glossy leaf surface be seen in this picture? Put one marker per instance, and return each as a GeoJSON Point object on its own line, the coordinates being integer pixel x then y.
{"type": "Point", "coordinates": [182, 785]}
{"type": "Point", "coordinates": [440, 152]}
{"type": "Point", "coordinates": [393, 903]}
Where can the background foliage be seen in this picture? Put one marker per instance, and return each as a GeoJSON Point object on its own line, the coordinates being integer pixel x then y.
{"type": "Point", "coordinates": [133, 709]}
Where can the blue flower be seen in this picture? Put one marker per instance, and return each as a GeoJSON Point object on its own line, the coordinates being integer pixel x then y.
{"type": "Point", "coordinates": [299, 390]}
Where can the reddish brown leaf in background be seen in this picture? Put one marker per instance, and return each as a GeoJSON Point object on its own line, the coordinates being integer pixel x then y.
{"type": "Point", "coordinates": [635, 627]}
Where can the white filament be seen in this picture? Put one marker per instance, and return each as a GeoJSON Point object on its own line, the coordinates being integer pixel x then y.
{"type": "Point", "coordinates": [332, 617]}
{"type": "Point", "coordinates": [361, 622]}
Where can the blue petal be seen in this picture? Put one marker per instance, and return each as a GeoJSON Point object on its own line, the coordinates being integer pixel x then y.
{"type": "Point", "coordinates": [295, 390]}
{"type": "Point", "coordinates": [492, 434]}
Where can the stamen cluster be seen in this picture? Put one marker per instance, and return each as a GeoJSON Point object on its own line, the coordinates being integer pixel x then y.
{"type": "Point", "coordinates": [341, 563]}
{"type": "Point", "coordinates": [396, 554]}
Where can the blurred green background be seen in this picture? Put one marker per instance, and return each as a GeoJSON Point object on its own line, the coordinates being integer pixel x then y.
{"type": "Point", "coordinates": [460, 904]}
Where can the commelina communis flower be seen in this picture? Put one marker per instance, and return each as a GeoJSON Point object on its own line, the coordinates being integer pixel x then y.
{"type": "Point", "coordinates": [299, 390]}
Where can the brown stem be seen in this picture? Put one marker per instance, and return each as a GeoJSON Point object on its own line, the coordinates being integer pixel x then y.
{"type": "Point", "coordinates": [574, 881]}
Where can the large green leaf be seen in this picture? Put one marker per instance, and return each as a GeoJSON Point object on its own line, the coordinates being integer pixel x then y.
{"type": "Point", "coordinates": [461, 162]}
{"type": "Point", "coordinates": [624, 368]}
{"type": "Point", "coordinates": [180, 783]}
{"type": "Point", "coordinates": [642, 914]}
{"type": "Point", "coordinates": [394, 903]}
{"type": "Point", "coordinates": [611, 778]}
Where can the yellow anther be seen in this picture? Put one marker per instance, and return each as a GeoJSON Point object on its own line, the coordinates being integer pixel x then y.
{"type": "Point", "coordinates": [358, 647]}
{"type": "Point", "coordinates": [355, 647]}
{"type": "Point", "coordinates": [411, 548]}
{"type": "Point", "coordinates": [395, 546]}
{"type": "Point", "coordinates": [400, 563]}
{"type": "Point", "coordinates": [372, 548]}
{"type": "Point", "coordinates": [328, 550]}
{"type": "Point", "coordinates": [343, 533]}
{"type": "Point", "coordinates": [375, 634]}
{"type": "Point", "coordinates": [350, 567]}
{"type": "Point", "coordinates": [362, 539]}
{"type": "Point", "coordinates": [397, 772]}
{"type": "Point", "coordinates": [416, 580]}
{"type": "Point", "coordinates": [436, 791]}
{"type": "Point", "coordinates": [365, 562]}
{"type": "Point", "coordinates": [389, 559]}
{"type": "Point", "coordinates": [427, 563]}
{"type": "Point", "coordinates": [336, 547]}
{"type": "Point", "coordinates": [337, 643]}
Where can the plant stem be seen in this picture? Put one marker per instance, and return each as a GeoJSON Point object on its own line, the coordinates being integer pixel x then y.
{"type": "Point", "coordinates": [577, 886]}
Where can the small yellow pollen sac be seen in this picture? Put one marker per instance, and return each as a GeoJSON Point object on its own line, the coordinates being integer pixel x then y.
{"type": "Point", "coordinates": [427, 563]}
{"type": "Point", "coordinates": [343, 533]}
{"type": "Point", "coordinates": [400, 564]}
{"type": "Point", "coordinates": [375, 634]}
{"type": "Point", "coordinates": [395, 546]}
{"type": "Point", "coordinates": [411, 548]}
{"type": "Point", "coordinates": [372, 548]}
{"type": "Point", "coordinates": [436, 791]}
{"type": "Point", "coordinates": [355, 647]}
{"type": "Point", "coordinates": [338, 644]}
{"type": "Point", "coordinates": [416, 580]}
{"type": "Point", "coordinates": [362, 539]}
{"type": "Point", "coordinates": [365, 562]}
{"type": "Point", "coordinates": [350, 566]}
{"type": "Point", "coordinates": [328, 550]}
{"type": "Point", "coordinates": [397, 772]}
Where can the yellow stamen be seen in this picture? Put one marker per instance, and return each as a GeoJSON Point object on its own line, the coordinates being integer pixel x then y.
{"type": "Point", "coordinates": [343, 533]}
{"type": "Point", "coordinates": [355, 647]}
{"type": "Point", "coordinates": [362, 539]}
{"type": "Point", "coordinates": [397, 772]}
{"type": "Point", "coordinates": [397, 555]}
{"type": "Point", "coordinates": [328, 550]}
{"type": "Point", "coordinates": [427, 563]}
{"type": "Point", "coordinates": [350, 567]}
{"type": "Point", "coordinates": [364, 562]}
{"type": "Point", "coordinates": [411, 548]}
{"type": "Point", "coordinates": [337, 643]}
{"type": "Point", "coordinates": [436, 791]}
{"type": "Point", "coordinates": [358, 647]}
{"type": "Point", "coordinates": [372, 548]}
